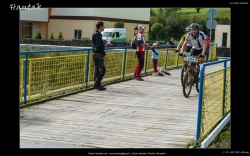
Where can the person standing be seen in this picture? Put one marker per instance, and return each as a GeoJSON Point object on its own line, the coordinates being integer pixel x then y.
{"type": "Point", "coordinates": [208, 47]}
{"type": "Point", "coordinates": [108, 42]}
{"type": "Point", "coordinates": [99, 55]}
{"type": "Point", "coordinates": [140, 51]}
{"type": "Point", "coordinates": [155, 53]}
{"type": "Point", "coordinates": [172, 42]}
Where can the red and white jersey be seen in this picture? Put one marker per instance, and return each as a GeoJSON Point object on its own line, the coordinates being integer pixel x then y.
{"type": "Point", "coordinates": [140, 38]}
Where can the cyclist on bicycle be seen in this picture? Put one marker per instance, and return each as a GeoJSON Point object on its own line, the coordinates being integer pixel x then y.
{"type": "Point", "coordinates": [198, 39]}
{"type": "Point", "coordinates": [189, 44]}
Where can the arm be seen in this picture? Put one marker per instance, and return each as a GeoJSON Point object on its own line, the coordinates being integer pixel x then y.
{"type": "Point", "coordinates": [184, 46]}
{"type": "Point", "coordinates": [205, 47]}
{"type": "Point", "coordinates": [100, 44]}
{"type": "Point", "coordinates": [179, 45]}
{"type": "Point", "coordinates": [153, 49]}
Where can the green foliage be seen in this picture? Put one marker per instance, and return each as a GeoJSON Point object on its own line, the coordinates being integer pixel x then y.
{"type": "Point", "coordinates": [24, 36]}
{"type": "Point", "coordinates": [175, 20]}
{"type": "Point", "coordinates": [38, 35]}
{"type": "Point", "coordinates": [51, 36]}
{"type": "Point", "coordinates": [157, 28]}
{"type": "Point", "coordinates": [119, 25]}
{"type": "Point", "coordinates": [86, 39]}
{"type": "Point", "coordinates": [60, 36]}
{"type": "Point", "coordinates": [223, 138]}
{"type": "Point", "coordinates": [198, 10]}
{"type": "Point", "coordinates": [190, 143]}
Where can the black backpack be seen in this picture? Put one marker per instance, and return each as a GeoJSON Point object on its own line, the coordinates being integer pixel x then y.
{"type": "Point", "coordinates": [133, 42]}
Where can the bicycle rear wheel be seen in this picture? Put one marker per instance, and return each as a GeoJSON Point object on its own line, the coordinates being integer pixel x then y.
{"type": "Point", "coordinates": [188, 83]}
{"type": "Point", "coordinates": [197, 79]}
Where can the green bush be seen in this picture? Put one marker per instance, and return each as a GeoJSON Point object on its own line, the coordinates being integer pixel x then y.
{"type": "Point", "coordinates": [24, 36]}
{"type": "Point", "coordinates": [51, 36]}
{"type": "Point", "coordinates": [119, 25]}
{"type": "Point", "coordinates": [38, 35]}
{"type": "Point", "coordinates": [86, 39]}
{"type": "Point", "coordinates": [60, 36]}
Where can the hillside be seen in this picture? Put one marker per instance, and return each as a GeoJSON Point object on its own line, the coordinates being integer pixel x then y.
{"type": "Point", "coordinates": [223, 13]}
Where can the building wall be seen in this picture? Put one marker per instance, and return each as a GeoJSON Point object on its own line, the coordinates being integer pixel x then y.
{"type": "Point", "coordinates": [34, 15]}
{"type": "Point", "coordinates": [68, 26]}
{"type": "Point", "coordinates": [85, 19]}
{"type": "Point", "coordinates": [142, 14]}
{"type": "Point", "coordinates": [87, 27]}
{"type": "Point", "coordinates": [41, 26]}
{"type": "Point", "coordinates": [219, 30]}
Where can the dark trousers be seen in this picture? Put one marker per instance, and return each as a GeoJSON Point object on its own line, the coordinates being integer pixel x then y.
{"type": "Point", "coordinates": [155, 63]}
{"type": "Point", "coordinates": [140, 63]}
{"type": "Point", "coordinates": [100, 70]}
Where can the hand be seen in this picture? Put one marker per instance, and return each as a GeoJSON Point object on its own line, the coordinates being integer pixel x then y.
{"type": "Point", "coordinates": [201, 55]}
{"type": "Point", "coordinates": [181, 54]}
{"type": "Point", "coordinates": [105, 57]}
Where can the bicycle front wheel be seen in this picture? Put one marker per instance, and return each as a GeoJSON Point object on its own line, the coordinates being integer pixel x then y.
{"type": "Point", "coordinates": [188, 83]}
{"type": "Point", "coordinates": [183, 71]}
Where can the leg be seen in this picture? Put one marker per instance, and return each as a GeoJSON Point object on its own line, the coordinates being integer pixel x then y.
{"type": "Point", "coordinates": [99, 73]}
{"type": "Point", "coordinates": [155, 61]}
{"type": "Point", "coordinates": [96, 72]}
{"type": "Point", "coordinates": [139, 64]}
{"type": "Point", "coordinates": [102, 71]}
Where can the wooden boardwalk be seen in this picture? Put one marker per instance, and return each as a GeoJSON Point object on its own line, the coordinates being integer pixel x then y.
{"type": "Point", "coordinates": [132, 114]}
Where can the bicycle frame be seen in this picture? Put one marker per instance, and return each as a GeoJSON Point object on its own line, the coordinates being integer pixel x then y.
{"type": "Point", "coordinates": [192, 75]}
{"type": "Point", "coordinates": [184, 65]}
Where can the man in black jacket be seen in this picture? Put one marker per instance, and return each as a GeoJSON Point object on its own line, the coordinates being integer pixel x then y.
{"type": "Point", "coordinates": [99, 55]}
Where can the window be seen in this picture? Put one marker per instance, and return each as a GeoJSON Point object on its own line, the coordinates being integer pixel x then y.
{"type": "Point", "coordinates": [25, 30]}
{"type": "Point", "coordinates": [78, 34]}
{"type": "Point", "coordinates": [224, 40]}
{"type": "Point", "coordinates": [117, 34]}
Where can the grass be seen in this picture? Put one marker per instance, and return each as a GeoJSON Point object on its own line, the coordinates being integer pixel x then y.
{"type": "Point", "coordinates": [191, 12]}
{"type": "Point", "coordinates": [222, 140]}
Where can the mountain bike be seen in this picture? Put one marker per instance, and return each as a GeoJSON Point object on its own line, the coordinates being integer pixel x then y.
{"type": "Point", "coordinates": [192, 74]}
{"type": "Point", "coordinates": [184, 64]}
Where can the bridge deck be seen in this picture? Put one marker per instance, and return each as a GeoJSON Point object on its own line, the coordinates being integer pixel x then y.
{"type": "Point", "coordinates": [132, 114]}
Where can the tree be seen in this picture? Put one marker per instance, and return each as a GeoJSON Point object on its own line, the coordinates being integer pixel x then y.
{"type": "Point", "coordinates": [157, 28]}
{"type": "Point", "coordinates": [198, 10]}
{"type": "Point", "coordinates": [119, 25]}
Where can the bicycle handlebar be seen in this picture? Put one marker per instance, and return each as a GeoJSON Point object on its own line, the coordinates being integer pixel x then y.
{"type": "Point", "coordinates": [201, 55]}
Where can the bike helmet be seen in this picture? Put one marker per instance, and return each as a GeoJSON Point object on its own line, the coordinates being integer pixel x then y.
{"type": "Point", "coordinates": [187, 28]}
{"type": "Point", "coordinates": [194, 26]}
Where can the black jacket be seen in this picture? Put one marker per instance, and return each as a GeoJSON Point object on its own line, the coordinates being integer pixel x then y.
{"type": "Point", "coordinates": [98, 44]}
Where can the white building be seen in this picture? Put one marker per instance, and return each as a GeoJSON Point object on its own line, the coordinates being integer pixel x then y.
{"type": "Point", "coordinates": [76, 23]}
{"type": "Point", "coordinates": [222, 36]}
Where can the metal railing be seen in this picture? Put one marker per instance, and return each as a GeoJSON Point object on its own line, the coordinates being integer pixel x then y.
{"type": "Point", "coordinates": [214, 98]}
{"type": "Point", "coordinates": [51, 73]}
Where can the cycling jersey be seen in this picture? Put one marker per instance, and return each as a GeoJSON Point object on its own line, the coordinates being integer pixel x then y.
{"type": "Point", "coordinates": [184, 37]}
{"type": "Point", "coordinates": [196, 41]}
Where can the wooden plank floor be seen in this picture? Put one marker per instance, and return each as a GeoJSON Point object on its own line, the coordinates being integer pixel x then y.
{"type": "Point", "coordinates": [132, 114]}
